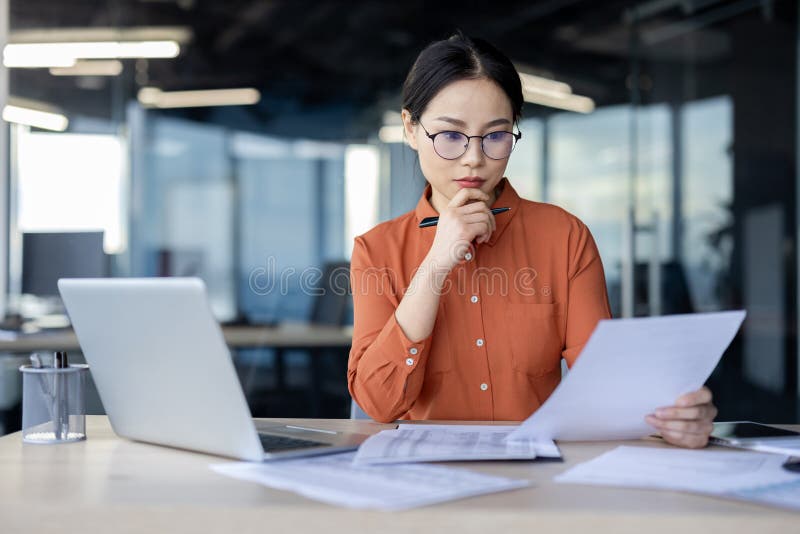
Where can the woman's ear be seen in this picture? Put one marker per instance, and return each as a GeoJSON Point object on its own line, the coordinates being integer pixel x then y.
{"type": "Point", "coordinates": [409, 129]}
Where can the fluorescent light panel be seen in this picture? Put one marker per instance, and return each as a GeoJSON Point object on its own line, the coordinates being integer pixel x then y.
{"type": "Point", "coordinates": [100, 67]}
{"type": "Point", "coordinates": [56, 54]}
{"type": "Point", "coordinates": [36, 118]}
{"type": "Point", "coordinates": [565, 101]}
{"type": "Point", "coordinates": [181, 34]}
{"type": "Point", "coordinates": [152, 97]}
{"type": "Point", "coordinates": [554, 94]}
{"type": "Point", "coordinates": [531, 81]}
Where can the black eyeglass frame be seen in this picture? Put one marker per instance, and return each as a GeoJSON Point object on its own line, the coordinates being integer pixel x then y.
{"type": "Point", "coordinates": [432, 137]}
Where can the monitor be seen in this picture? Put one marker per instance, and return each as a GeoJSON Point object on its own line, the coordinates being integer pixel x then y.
{"type": "Point", "coordinates": [48, 256]}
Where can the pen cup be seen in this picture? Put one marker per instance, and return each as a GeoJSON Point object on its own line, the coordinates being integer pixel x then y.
{"type": "Point", "coordinates": [53, 404]}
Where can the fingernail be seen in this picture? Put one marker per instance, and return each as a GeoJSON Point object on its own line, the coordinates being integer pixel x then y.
{"type": "Point", "coordinates": [662, 413]}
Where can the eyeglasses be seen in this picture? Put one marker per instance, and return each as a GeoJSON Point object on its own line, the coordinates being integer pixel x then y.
{"type": "Point", "coordinates": [453, 145]}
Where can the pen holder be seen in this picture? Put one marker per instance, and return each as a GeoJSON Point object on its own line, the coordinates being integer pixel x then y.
{"type": "Point", "coordinates": [53, 404]}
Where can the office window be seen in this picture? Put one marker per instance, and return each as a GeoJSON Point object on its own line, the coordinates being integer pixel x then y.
{"type": "Point", "coordinates": [708, 199]}
{"type": "Point", "coordinates": [79, 185]}
{"type": "Point", "coordinates": [361, 192]}
{"type": "Point", "coordinates": [524, 169]}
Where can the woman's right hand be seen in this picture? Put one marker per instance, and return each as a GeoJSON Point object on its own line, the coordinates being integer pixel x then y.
{"type": "Point", "coordinates": [466, 218]}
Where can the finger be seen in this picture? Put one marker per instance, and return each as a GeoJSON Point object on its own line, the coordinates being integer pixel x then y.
{"type": "Point", "coordinates": [474, 207]}
{"type": "Point", "coordinates": [703, 411]}
{"type": "Point", "coordinates": [466, 194]}
{"type": "Point", "coordinates": [477, 217]}
{"type": "Point", "coordinates": [479, 229]}
{"type": "Point", "coordinates": [691, 441]}
{"type": "Point", "coordinates": [683, 427]}
{"type": "Point", "coordinates": [701, 396]}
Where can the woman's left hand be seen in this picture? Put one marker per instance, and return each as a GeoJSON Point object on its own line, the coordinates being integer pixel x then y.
{"type": "Point", "coordinates": [689, 422]}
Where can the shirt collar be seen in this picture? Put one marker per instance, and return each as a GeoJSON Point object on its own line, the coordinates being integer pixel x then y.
{"type": "Point", "coordinates": [508, 198]}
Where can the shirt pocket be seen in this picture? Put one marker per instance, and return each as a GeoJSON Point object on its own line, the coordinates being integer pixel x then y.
{"type": "Point", "coordinates": [440, 356]}
{"type": "Point", "coordinates": [535, 337]}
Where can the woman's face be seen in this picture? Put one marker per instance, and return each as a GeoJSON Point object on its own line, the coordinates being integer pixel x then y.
{"type": "Point", "coordinates": [472, 107]}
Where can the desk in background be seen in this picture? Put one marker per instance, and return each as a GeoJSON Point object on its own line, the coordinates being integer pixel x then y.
{"type": "Point", "coordinates": [288, 335]}
{"type": "Point", "coordinates": [107, 484]}
{"type": "Point", "coordinates": [318, 341]}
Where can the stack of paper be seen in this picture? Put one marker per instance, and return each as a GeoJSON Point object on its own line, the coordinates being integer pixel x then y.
{"type": "Point", "coordinates": [443, 443]}
{"type": "Point", "coordinates": [750, 476]}
{"type": "Point", "coordinates": [335, 480]}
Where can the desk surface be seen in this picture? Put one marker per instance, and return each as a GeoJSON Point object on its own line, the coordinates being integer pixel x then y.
{"type": "Point", "coordinates": [286, 335]}
{"type": "Point", "coordinates": [107, 484]}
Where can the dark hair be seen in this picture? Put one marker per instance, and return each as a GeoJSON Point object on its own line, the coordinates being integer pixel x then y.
{"type": "Point", "coordinates": [459, 58]}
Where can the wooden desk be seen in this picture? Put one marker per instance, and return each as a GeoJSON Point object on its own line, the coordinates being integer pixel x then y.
{"type": "Point", "coordinates": [106, 484]}
{"type": "Point", "coordinates": [288, 335]}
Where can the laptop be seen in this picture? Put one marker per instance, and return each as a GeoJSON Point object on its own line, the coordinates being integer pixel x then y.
{"type": "Point", "coordinates": [166, 376]}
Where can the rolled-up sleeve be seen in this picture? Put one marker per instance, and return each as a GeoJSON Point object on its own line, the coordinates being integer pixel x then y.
{"type": "Point", "coordinates": [587, 299]}
{"type": "Point", "coordinates": [385, 371]}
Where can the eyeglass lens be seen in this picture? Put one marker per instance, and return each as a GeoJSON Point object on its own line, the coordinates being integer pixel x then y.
{"type": "Point", "coordinates": [452, 145]}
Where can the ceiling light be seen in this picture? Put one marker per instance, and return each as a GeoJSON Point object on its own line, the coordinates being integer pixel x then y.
{"type": "Point", "coordinates": [38, 62]}
{"type": "Point", "coordinates": [181, 34]}
{"type": "Point", "coordinates": [54, 54]}
{"type": "Point", "coordinates": [47, 120]}
{"type": "Point", "coordinates": [537, 82]}
{"type": "Point", "coordinates": [111, 67]}
{"type": "Point", "coordinates": [152, 97]}
{"type": "Point", "coordinates": [555, 99]}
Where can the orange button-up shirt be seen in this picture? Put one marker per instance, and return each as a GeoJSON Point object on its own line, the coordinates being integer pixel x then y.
{"type": "Point", "coordinates": [509, 313]}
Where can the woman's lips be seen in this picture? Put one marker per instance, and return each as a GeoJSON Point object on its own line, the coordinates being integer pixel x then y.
{"type": "Point", "coordinates": [470, 181]}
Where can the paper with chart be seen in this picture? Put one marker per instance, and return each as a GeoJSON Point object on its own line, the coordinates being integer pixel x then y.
{"type": "Point", "coordinates": [751, 476]}
{"type": "Point", "coordinates": [335, 480]}
{"type": "Point", "coordinates": [443, 443]}
{"type": "Point", "coordinates": [628, 368]}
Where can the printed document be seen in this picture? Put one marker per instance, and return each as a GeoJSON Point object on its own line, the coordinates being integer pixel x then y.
{"type": "Point", "coordinates": [335, 480]}
{"type": "Point", "coordinates": [628, 368]}
{"type": "Point", "coordinates": [442, 443]}
{"type": "Point", "coordinates": [751, 476]}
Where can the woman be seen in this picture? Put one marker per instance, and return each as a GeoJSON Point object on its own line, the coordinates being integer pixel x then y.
{"type": "Point", "coordinates": [470, 319]}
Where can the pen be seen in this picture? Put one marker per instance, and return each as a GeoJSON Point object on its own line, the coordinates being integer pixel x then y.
{"type": "Point", "coordinates": [433, 221]}
{"type": "Point", "coordinates": [57, 396]}
{"type": "Point", "coordinates": [64, 404]}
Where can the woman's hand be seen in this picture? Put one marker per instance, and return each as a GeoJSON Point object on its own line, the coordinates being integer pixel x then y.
{"type": "Point", "coordinates": [689, 422]}
{"type": "Point", "coordinates": [466, 218]}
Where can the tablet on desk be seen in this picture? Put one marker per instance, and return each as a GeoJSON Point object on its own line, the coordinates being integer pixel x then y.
{"type": "Point", "coordinates": [750, 435]}
{"type": "Point", "coordinates": [744, 431]}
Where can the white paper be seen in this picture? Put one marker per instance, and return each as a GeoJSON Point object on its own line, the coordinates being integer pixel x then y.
{"type": "Point", "coordinates": [736, 474]}
{"type": "Point", "coordinates": [335, 480]}
{"type": "Point", "coordinates": [628, 368]}
{"type": "Point", "coordinates": [442, 443]}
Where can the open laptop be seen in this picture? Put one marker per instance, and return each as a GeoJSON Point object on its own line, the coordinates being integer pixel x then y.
{"type": "Point", "coordinates": [165, 375]}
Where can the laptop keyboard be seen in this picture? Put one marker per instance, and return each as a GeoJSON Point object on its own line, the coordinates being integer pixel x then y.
{"type": "Point", "coordinates": [274, 443]}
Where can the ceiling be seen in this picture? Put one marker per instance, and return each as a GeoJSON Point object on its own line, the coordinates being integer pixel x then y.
{"type": "Point", "coordinates": [329, 68]}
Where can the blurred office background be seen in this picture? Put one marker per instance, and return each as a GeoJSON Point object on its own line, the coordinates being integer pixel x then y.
{"type": "Point", "coordinates": [668, 126]}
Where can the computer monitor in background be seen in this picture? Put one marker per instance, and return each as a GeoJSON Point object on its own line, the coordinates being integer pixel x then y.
{"type": "Point", "coordinates": [48, 256]}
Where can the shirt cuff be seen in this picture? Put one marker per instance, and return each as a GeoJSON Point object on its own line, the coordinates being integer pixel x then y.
{"type": "Point", "coordinates": [409, 353]}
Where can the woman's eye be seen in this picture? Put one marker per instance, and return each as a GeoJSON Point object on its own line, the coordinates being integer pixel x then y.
{"type": "Point", "coordinates": [495, 136]}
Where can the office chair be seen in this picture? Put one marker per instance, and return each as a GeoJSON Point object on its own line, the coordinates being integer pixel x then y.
{"type": "Point", "coordinates": [356, 412]}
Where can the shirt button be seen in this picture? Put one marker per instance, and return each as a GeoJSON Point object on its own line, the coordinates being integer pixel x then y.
{"type": "Point", "coordinates": [409, 361]}
{"type": "Point", "coordinates": [484, 386]}
{"type": "Point", "coordinates": [468, 256]}
{"type": "Point", "coordinates": [479, 342]}
{"type": "Point", "coordinates": [413, 350]}
{"type": "Point", "coordinates": [473, 299]}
